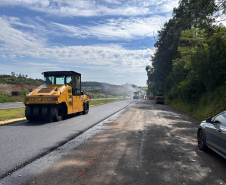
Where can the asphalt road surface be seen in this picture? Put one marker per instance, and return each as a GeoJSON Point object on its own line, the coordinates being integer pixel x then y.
{"type": "Point", "coordinates": [11, 105]}
{"type": "Point", "coordinates": [25, 141]}
{"type": "Point", "coordinates": [148, 145]}
{"type": "Point", "coordinates": [21, 104]}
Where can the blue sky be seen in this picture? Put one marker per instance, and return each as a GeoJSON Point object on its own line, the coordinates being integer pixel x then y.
{"type": "Point", "coordinates": [101, 39]}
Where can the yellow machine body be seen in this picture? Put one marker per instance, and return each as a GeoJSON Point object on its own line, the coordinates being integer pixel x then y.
{"type": "Point", "coordinates": [47, 94]}
{"type": "Point", "coordinates": [59, 96]}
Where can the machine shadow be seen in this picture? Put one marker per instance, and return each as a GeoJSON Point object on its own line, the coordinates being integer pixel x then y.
{"type": "Point", "coordinates": [41, 122]}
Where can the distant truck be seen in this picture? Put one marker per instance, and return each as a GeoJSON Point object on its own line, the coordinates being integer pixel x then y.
{"type": "Point", "coordinates": [136, 95]}
{"type": "Point", "coordinates": [159, 97]}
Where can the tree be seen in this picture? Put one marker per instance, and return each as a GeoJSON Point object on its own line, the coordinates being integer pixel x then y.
{"type": "Point", "coordinates": [189, 51]}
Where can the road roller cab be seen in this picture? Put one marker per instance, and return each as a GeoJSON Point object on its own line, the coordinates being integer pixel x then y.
{"type": "Point", "coordinates": [59, 96]}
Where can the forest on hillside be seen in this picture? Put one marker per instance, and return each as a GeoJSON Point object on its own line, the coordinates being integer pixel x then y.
{"type": "Point", "coordinates": [19, 79]}
{"type": "Point", "coordinates": [190, 58]}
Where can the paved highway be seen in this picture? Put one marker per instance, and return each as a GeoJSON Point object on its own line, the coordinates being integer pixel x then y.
{"type": "Point", "coordinates": [25, 141]}
{"type": "Point", "coordinates": [11, 105]}
{"type": "Point", "coordinates": [21, 104]}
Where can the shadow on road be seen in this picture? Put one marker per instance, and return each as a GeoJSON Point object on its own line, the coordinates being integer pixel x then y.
{"type": "Point", "coordinates": [41, 122]}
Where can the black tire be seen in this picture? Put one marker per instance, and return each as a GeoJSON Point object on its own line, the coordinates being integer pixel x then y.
{"type": "Point", "coordinates": [60, 112]}
{"type": "Point", "coordinates": [37, 113]}
{"type": "Point", "coordinates": [85, 108]}
{"type": "Point", "coordinates": [29, 112]}
{"type": "Point", "coordinates": [51, 117]}
{"type": "Point", "coordinates": [201, 140]}
{"type": "Point", "coordinates": [45, 112]}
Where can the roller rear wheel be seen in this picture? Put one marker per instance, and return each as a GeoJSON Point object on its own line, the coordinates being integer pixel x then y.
{"type": "Point", "coordinates": [51, 116]}
{"type": "Point", "coordinates": [45, 112]}
{"type": "Point", "coordinates": [37, 114]}
{"type": "Point", "coordinates": [29, 112]}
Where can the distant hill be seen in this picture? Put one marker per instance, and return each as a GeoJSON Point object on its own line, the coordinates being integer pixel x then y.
{"type": "Point", "coordinates": [19, 79]}
{"type": "Point", "coordinates": [91, 87]}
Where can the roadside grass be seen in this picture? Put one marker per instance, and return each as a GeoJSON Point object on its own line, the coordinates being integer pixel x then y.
{"type": "Point", "coordinates": [100, 102]}
{"type": "Point", "coordinates": [12, 113]}
{"type": "Point", "coordinates": [6, 98]}
{"type": "Point", "coordinates": [208, 105]}
{"type": "Point", "coordinates": [144, 88]}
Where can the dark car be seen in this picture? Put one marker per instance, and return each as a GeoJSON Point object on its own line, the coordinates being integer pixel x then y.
{"type": "Point", "coordinates": [212, 134]}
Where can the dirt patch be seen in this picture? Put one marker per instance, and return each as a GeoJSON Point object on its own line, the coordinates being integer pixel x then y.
{"type": "Point", "coordinates": [8, 88]}
{"type": "Point", "coordinates": [113, 124]}
{"type": "Point", "coordinates": [81, 174]}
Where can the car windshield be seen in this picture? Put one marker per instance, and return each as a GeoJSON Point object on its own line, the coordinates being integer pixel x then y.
{"type": "Point", "coordinates": [58, 80]}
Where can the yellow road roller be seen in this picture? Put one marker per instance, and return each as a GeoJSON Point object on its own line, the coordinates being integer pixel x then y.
{"type": "Point", "coordinates": [159, 97]}
{"type": "Point", "coordinates": [60, 95]}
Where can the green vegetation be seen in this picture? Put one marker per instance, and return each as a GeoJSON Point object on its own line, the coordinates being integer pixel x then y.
{"type": "Point", "coordinates": [144, 88]}
{"type": "Point", "coordinates": [100, 102]}
{"type": "Point", "coordinates": [19, 79]}
{"type": "Point", "coordinates": [12, 113]}
{"type": "Point", "coordinates": [4, 97]}
{"type": "Point", "coordinates": [209, 105]}
{"type": "Point", "coordinates": [190, 59]}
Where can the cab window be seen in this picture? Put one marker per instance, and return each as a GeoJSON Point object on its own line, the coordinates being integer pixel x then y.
{"type": "Point", "coordinates": [48, 80]}
{"type": "Point", "coordinates": [60, 80]}
{"type": "Point", "coordinates": [77, 83]}
{"type": "Point", "coordinates": [69, 80]}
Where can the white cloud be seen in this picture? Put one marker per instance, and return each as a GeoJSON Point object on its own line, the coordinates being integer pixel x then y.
{"type": "Point", "coordinates": [19, 45]}
{"type": "Point", "coordinates": [13, 38]}
{"type": "Point", "coordinates": [27, 33]}
{"type": "Point", "coordinates": [95, 8]}
{"type": "Point", "coordinates": [112, 58]}
{"type": "Point", "coordinates": [113, 29]}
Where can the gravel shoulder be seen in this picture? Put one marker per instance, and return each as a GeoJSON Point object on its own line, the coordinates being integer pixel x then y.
{"type": "Point", "coordinates": [148, 144]}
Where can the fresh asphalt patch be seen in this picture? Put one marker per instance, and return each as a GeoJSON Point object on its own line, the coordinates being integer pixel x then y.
{"type": "Point", "coordinates": [46, 159]}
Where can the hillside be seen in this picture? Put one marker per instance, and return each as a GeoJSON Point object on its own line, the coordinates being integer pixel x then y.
{"type": "Point", "coordinates": [19, 82]}
{"type": "Point", "coordinates": [19, 79]}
